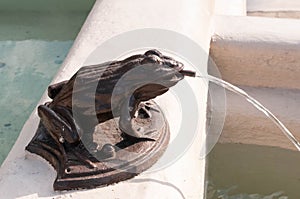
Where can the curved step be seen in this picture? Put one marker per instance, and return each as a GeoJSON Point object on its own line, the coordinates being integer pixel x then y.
{"type": "Point", "coordinates": [257, 51]}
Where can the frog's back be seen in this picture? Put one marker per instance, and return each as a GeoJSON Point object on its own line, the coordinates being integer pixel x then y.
{"type": "Point", "coordinates": [92, 86]}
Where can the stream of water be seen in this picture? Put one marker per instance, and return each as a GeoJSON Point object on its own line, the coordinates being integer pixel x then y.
{"type": "Point", "coordinates": [256, 104]}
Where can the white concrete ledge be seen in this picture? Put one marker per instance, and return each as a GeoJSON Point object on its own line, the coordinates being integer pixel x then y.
{"type": "Point", "coordinates": [22, 176]}
{"type": "Point", "coordinates": [273, 5]}
{"type": "Point", "coordinates": [271, 8]}
{"type": "Point", "coordinates": [246, 125]}
{"type": "Point", "coordinates": [256, 51]}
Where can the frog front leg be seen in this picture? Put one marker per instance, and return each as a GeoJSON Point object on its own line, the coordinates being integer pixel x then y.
{"type": "Point", "coordinates": [127, 112]}
{"type": "Point", "coordinates": [127, 115]}
{"type": "Point", "coordinates": [63, 129]}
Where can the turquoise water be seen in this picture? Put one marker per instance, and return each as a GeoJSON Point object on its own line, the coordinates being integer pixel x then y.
{"type": "Point", "coordinates": [25, 74]}
{"type": "Point", "coordinates": [48, 20]}
{"type": "Point", "coordinates": [238, 171]}
{"type": "Point", "coordinates": [35, 38]}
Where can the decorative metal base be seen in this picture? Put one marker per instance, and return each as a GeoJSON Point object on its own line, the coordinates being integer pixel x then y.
{"type": "Point", "coordinates": [130, 157]}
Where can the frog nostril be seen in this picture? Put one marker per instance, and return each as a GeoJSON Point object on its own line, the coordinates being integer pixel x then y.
{"type": "Point", "coordinates": [173, 64]}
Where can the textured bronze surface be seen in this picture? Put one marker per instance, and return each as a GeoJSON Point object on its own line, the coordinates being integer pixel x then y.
{"type": "Point", "coordinates": [132, 156]}
{"type": "Point", "coordinates": [96, 148]}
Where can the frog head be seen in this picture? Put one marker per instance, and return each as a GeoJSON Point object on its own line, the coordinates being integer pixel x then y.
{"type": "Point", "coordinates": [155, 74]}
{"type": "Point", "coordinates": [151, 75]}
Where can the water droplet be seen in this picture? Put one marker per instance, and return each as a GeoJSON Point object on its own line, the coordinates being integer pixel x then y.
{"type": "Point", "coordinates": [256, 104]}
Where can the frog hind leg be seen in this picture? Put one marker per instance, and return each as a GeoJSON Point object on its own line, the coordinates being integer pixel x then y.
{"type": "Point", "coordinates": [62, 132]}
{"type": "Point", "coordinates": [51, 122]}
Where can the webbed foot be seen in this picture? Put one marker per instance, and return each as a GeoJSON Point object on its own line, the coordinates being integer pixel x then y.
{"type": "Point", "coordinates": [107, 151]}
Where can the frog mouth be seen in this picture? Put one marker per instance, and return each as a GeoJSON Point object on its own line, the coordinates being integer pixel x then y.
{"type": "Point", "coordinates": [178, 66]}
{"type": "Point", "coordinates": [188, 73]}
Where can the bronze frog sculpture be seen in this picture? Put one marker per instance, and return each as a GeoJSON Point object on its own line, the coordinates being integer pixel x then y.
{"type": "Point", "coordinates": [57, 115]}
{"type": "Point", "coordinates": [102, 94]}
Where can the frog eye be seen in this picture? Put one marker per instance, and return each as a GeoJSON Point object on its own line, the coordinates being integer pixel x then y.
{"type": "Point", "coordinates": [152, 59]}
{"type": "Point", "coordinates": [153, 52]}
